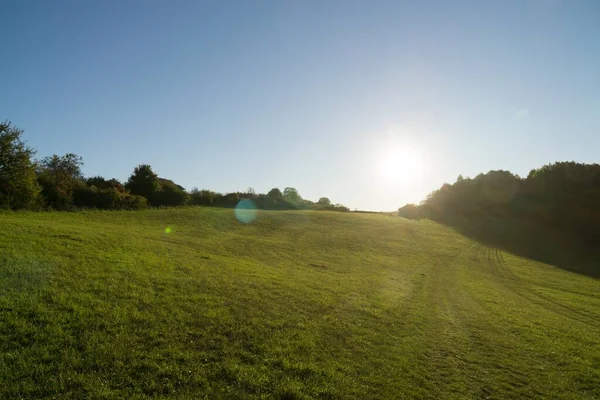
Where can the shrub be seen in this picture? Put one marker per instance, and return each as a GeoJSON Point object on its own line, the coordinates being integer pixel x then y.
{"type": "Point", "coordinates": [133, 202]}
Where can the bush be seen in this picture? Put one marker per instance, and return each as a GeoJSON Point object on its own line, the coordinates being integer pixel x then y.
{"type": "Point", "coordinates": [107, 199]}
{"type": "Point", "coordinates": [202, 197]}
{"type": "Point", "coordinates": [85, 196]}
{"type": "Point", "coordinates": [133, 202]}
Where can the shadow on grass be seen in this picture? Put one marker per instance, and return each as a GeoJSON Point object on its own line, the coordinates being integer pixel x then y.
{"type": "Point", "coordinates": [564, 250]}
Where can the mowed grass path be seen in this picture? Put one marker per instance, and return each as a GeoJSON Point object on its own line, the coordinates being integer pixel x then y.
{"type": "Point", "coordinates": [295, 305]}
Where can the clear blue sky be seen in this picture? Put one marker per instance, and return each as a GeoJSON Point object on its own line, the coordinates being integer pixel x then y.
{"type": "Point", "coordinates": [230, 94]}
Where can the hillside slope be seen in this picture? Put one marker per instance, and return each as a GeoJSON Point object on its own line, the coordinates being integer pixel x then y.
{"type": "Point", "coordinates": [294, 305]}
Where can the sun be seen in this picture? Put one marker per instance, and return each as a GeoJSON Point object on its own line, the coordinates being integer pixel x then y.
{"type": "Point", "coordinates": [401, 164]}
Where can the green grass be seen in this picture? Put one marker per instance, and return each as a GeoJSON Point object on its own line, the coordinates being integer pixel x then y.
{"type": "Point", "coordinates": [296, 305]}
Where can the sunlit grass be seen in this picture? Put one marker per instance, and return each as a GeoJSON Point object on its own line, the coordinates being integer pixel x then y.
{"type": "Point", "coordinates": [191, 303]}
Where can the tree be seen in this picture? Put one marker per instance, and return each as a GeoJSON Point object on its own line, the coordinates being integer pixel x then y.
{"type": "Point", "coordinates": [58, 177]}
{"type": "Point", "coordinates": [171, 194]}
{"type": "Point", "coordinates": [272, 200]}
{"type": "Point", "coordinates": [275, 194]}
{"type": "Point", "coordinates": [144, 182]}
{"type": "Point", "coordinates": [202, 197]}
{"type": "Point", "coordinates": [340, 207]}
{"type": "Point", "coordinates": [18, 184]}
{"type": "Point", "coordinates": [410, 211]}
{"type": "Point", "coordinates": [291, 194]}
{"type": "Point", "coordinates": [324, 201]}
{"type": "Point", "coordinates": [97, 181]}
{"type": "Point", "coordinates": [102, 183]}
{"type": "Point", "coordinates": [66, 167]}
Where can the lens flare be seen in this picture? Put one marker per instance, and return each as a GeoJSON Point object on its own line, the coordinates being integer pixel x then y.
{"type": "Point", "coordinates": [245, 211]}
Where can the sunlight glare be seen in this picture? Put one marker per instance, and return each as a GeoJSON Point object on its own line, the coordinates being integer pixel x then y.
{"type": "Point", "coordinates": [400, 165]}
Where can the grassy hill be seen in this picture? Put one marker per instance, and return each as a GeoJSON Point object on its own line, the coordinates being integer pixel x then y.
{"type": "Point", "coordinates": [295, 305]}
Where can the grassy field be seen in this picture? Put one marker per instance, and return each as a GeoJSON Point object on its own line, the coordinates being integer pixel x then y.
{"type": "Point", "coordinates": [295, 305]}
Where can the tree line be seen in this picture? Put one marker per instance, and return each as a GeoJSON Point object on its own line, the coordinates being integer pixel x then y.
{"type": "Point", "coordinates": [57, 182]}
{"type": "Point", "coordinates": [564, 196]}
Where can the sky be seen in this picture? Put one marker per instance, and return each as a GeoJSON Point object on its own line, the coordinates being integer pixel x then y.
{"type": "Point", "coordinates": [373, 104]}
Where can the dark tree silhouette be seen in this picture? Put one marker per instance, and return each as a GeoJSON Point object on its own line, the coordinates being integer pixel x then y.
{"type": "Point", "coordinates": [144, 182]}
{"type": "Point", "coordinates": [171, 194]}
{"type": "Point", "coordinates": [551, 215]}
